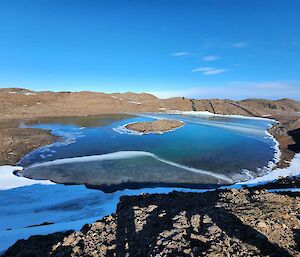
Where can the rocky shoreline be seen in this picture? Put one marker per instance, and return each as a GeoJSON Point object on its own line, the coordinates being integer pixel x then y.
{"type": "Point", "coordinates": [155, 127]}
{"type": "Point", "coordinates": [287, 134]}
{"type": "Point", "coordinates": [16, 141]}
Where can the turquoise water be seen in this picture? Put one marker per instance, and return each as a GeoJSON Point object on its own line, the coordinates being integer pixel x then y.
{"type": "Point", "coordinates": [206, 150]}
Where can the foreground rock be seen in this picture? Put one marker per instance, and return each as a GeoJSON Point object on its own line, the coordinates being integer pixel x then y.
{"type": "Point", "coordinates": [220, 223]}
{"type": "Point", "coordinates": [157, 127]}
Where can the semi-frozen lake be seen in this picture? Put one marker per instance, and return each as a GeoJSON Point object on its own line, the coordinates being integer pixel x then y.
{"type": "Point", "coordinates": [98, 152]}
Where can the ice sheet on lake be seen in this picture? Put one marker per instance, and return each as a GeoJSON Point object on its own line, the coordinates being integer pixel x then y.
{"type": "Point", "coordinates": [206, 113]}
{"type": "Point", "coordinates": [121, 167]}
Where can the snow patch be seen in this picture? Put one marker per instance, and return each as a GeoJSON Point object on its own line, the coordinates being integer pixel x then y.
{"type": "Point", "coordinates": [133, 102]}
{"type": "Point", "coordinates": [206, 113]}
{"type": "Point", "coordinates": [284, 190]}
{"type": "Point", "coordinates": [8, 180]}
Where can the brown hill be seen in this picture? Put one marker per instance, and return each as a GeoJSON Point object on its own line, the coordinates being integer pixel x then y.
{"type": "Point", "coordinates": [20, 103]}
{"type": "Point", "coordinates": [17, 104]}
{"type": "Point", "coordinates": [135, 96]}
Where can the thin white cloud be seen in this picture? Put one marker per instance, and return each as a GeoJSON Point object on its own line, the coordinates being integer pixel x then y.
{"type": "Point", "coordinates": [214, 71]}
{"type": "Point", "coordinates": [203, 69]}
{"type": "Point", "coordinates": [240, 44]}
{"type": "Point", "coordinates": [239, 90]}
{"type": "Point", "coordinates": [180, 54]}
{"type": "Point", "coordinates": [210, 58]}
{"type": "Point", "coordinates": [209, 70]}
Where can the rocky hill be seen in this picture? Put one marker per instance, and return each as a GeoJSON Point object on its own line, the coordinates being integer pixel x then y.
{"type": "Point", "coordinates": [20, 103]}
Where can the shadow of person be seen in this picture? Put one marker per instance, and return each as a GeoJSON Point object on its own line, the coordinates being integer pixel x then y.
{"type": "Point", "coordinates": [39, 246]}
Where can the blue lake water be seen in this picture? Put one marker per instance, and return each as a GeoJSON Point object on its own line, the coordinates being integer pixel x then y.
{"type": "Point", "coordinates": [205, 151]}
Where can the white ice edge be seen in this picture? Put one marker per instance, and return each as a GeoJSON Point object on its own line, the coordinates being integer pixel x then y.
{"type": "Point", "coordinates": [126, 155]}
{"type": "Point", "coordinates": [292, 189]}
{"type": "Point", "coordinates": [275, 174]}
{"type": "Point", "coordinates": [66, 139]}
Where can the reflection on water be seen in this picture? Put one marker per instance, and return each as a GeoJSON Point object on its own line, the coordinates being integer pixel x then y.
{"type": "Point", "coordinates": [204, 151]}
{"type": "Point", "coordinates": [81, 121]}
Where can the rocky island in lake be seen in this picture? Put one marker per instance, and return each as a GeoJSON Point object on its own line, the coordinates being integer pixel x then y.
{"type": "Point", "coordinates": [157, 126]}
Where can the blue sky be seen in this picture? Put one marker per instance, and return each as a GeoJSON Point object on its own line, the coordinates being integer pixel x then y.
{"type": "Point", "coordinates": [204, 48]}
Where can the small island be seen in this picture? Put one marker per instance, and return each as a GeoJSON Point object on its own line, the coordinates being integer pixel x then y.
{"type": "Point", "coordinates": [156, 127]}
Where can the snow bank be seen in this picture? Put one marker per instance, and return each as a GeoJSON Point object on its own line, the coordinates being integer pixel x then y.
{"type": "Point", "coordinates": [292, 170]}
{"type": "Point", "coordinates": [8, 180]}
